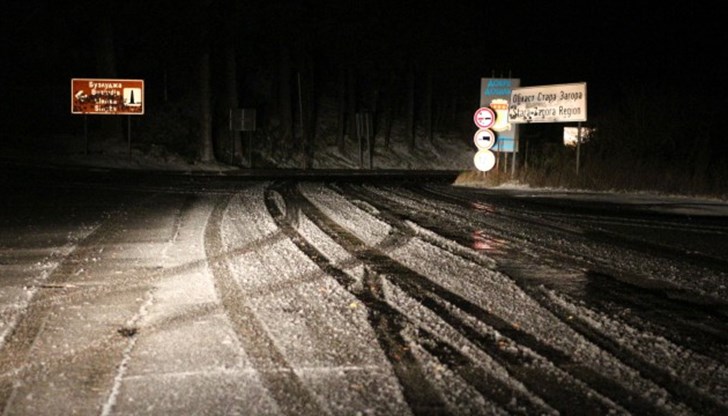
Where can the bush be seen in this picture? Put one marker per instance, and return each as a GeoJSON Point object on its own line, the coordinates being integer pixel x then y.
{"type": "Point", "coordinates": [648, 143]}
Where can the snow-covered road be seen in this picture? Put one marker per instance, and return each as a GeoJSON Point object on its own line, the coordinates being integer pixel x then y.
{"type": "Point", "coordinates": [296, 298]}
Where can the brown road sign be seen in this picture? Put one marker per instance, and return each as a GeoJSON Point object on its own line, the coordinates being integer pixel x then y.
{"type": "Point", "coordinates": [107, 96]}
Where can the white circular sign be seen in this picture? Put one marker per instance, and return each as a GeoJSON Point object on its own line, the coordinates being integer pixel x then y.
{"type": "Point", "coordinates": [484, 160]}
{"type": "Point", "coordinates": [484, 117]}
{"type": "Point", "coordinates": [484, 139]}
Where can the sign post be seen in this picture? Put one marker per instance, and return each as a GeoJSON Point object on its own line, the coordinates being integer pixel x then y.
{"type": "Point", "coordinates": [560, 103]}
{"type": "Point", "coordinates": [496, 94]}
{"type": "Point", "coordinates": [484, 139]}
{"type": "Point", "coordinates": [85, 132]}
{"type": "Point", "coordinates": [97, 96]}
{"type": "Point", "coordinates": [578, 147]}
{"type": "Point", "coordinates": [243, 120]}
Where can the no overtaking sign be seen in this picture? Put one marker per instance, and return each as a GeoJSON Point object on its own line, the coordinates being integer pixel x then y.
{"type": "Point", "coordinates": [484, 117]}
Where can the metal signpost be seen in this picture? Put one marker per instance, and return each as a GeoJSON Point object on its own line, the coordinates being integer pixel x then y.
{"type": "Point", "coordinates": [575, 136]}
{"type": "Point", "coordinates": [484, 139]}
{"type": "Point", "coordinates": [243, 120]}
{"type": "Point", "coordinates": [559, 103]}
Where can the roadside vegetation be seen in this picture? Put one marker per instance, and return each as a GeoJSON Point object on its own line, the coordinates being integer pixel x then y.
{"type": "Point", "coordinates": [667, 144]}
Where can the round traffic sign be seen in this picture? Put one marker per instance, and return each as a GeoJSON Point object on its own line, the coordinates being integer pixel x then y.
{"type": "Point", "coordinates": [484, 160]}
{"type": "Point", "coordinates": [484, 139]}
{"type": "Point", "coordinates": [484, 117]}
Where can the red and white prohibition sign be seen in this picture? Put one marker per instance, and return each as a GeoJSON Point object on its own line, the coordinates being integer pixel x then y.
{"type": "Point", "coordinates": [484, 117]}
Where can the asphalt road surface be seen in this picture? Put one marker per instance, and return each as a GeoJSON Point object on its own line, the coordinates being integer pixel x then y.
{"type": "Point", "coordinates": [208, 295]}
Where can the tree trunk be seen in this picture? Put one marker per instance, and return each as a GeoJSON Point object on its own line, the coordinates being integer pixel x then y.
{"type": "Point", "coordinates": [440, 111]}
{"type": "Point", "coordinates": [375, 113]}
{"type": "Point", "coordinates": [284, 103]}
{"type": "Point", "coordinates": [341, 126]}
{"type": "Point", "coordinates": [452, 118]}
{"type": "Point", "coordinates": [391, 110]}
{"type": "Point", "coordinates": [309, 105]}
{"type": "Point", "coordinates": [205, 145]}
{"type": "Point", "coordinates": [411, 108]}
{"type": "Point", "coordinates": [302, 120]}
{"type": "Point", "coordinates": [110, 127]}
{"type": "Point", "coordinates": [700, 157]}
{"type": "Point", "coordinates": [428, 106]}
{"type": "Point", "coordinates": [230, 98]}
{"type": "Point", "coordinates": [351, 102]}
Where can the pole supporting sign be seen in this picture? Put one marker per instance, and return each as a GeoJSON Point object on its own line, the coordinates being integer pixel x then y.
{"type": "Point", "coordinates": [484, 138]}
{"type": "Point", "coordinates": [107, 96]}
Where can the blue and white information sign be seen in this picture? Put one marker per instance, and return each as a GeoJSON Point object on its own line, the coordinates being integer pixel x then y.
{"type": "Point", "coordinates": [495, 93]}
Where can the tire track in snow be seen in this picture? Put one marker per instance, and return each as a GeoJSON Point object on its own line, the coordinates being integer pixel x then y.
{"type": "Point", "coordinates": [579, 371]}
{"type": "Point", "coordinates": [15, 359]}
{"type": "Point", "coordinates": [290, 393]}
{"type": "Point", "coordinates": [704, 326]}
{"type": "Point", "coordinates": [647, 261]}
{"type": "Point", "coordinates": [63, 289]}
{"type": "Point", "coordinates": [523, 366]}
{"type": "Point", "coordinates": [699, 400]}
{"type": "Point", "coordinates": [421, 397]}
{"type": "Point", "coordinates": [629, 289]}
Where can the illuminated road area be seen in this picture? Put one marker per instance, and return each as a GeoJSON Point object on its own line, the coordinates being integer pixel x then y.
{"type": "Point", "coordinates": [314, 298]}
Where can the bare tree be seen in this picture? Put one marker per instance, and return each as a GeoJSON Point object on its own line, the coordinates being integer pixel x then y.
{"type": "Point", "coordinates": [285, 106]}
{"type": "Point", "coordinates": [341, 143]}
{"type": "Point", "coordinates": [206, 149]}
{"type": "Point", "coordinates": [111, 127]}
{"type": "Point", "coordinates": [411, 107]}
{"type": "Point", "coordinates": [206, 144]}
{"type": "Point", "coordinates": [428, 106]}
{"type": "Point", "coordinates": [351, 97]}
{"type": "Point", "coordinates": [230, 102]}
{"type": "Point", "coordinates": [390, 103]}
{"type": "Point", "coordinates": [227, 138]}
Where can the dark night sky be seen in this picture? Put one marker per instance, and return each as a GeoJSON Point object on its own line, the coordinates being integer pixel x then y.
{"type": "Point", "coordinates": [613, 46]}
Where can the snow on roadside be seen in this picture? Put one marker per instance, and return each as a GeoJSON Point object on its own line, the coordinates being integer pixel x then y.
{"type": "Point", "coordinates": [495, 293]}
{"type": "Point", "coordinates": [653, 201]}
{"type": "Point", "coordinates": [314, 322]}
{"type": "Point", "coordinates": [15, 299]}
{"type": "Point", "coordinates": [361, 223]}
{"type": "Point", "coordinates": [699, 371]}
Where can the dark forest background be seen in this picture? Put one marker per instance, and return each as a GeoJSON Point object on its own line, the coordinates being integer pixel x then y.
{"type": "Point", "coordinates": [655, 84]}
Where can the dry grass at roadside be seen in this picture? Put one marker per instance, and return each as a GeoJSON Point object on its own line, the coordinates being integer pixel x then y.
{"type": "Point", "coordinates": [602, 178]}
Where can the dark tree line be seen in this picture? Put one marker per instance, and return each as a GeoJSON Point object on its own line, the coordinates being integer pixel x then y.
{"type": "Point", "coordinates": [308, 67]}
{"type": "Point", "coordinates": [286, 59]}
